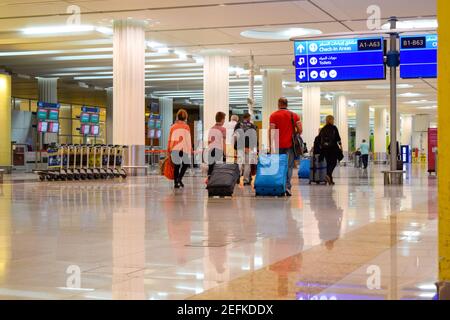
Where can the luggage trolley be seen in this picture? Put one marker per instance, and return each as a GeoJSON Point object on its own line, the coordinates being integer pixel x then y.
{"type": "Point", "coordinates": [104, 159]}
{"type": "Point", "coordinates": [119, 171]}
{"type": "Point", "coordinates": [87, 162]}
{"type": "Point", "coordinates": [96, 161]}
{"type": "Point", "coordinates": [76, 170]}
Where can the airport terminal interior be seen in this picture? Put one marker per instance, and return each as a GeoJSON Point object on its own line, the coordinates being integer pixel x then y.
{"type": "Point", "coordinates": [82, 81]}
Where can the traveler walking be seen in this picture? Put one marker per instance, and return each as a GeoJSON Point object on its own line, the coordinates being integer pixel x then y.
{"type": "Point", "coordinates": [287, 123]}
{"type": "Point", "coordinates": [229, 127]}
{"type": "Point", "coordinates": [180, 147]}
{"type": "Point", "coordinates": [330, 147]}
{"type": "Point", "coordinates": [246, 145]}
{"type": "Point", "coordinates": [364, 149]}
{"type": "Point", "coordinates": [216, 143]}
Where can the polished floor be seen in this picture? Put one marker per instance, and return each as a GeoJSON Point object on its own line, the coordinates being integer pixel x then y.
{"type": "Point", "coordinates": [140, 239]}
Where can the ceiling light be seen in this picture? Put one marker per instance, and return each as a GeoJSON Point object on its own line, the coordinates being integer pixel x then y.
{"type": "Point", "coordinates": [387, 86]}
{"type": "Point", "coordinates": [267, 33]}
{"type": "Point", "coordinates": [420, 102]}
{"type": "Point", "coordinates": [413, 24]}
{"type": "Point", "coordinates": [86, 57]}
{"type": "Point", "coordinates": [104, 30]}
{"type": "Point", "coordinates": [427, 107]}
{"type": "Point", "coordinates": [29, 53]}
{"type": "Point", "coordinates": [163, 50]}
{"type": "Point", "coordinates": [154, 44]}
{"type": "Point", "coordinates": [92, 77]}
{"type": "Point", "coordinates": [58, 29]}
{"type": "Point", "coordinates": [410, 95]}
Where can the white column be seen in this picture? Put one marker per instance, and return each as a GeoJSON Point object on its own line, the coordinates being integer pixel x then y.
{"type": "Point", "coordinates": [362, 123]}
{"type": "Point", "coordinates": [166, 110]}
{"type": "Point", "coordinates": [380, 134]}
{"type": "Point", "coordinates": [340, 110]}
{"type": "Point", "coordinates": [272, 91]}
{"type": "Point", "coordinates": [406, 129]}
{"type": "Point", "coordinates": [109, 116]}
{"type": "Point", "coordinates": [216, 85]}
{"type": "Point", "coordinates": [48, 92]}
{"type": "Point", "coordinates": [129, 90]}
{"type": "Point", "coordinates": [310, 114]}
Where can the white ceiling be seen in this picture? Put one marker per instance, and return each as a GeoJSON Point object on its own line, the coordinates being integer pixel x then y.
{"type": "Point", "coordinates": [192, 26]}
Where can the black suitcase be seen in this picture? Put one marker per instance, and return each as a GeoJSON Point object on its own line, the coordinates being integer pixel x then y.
{"type": "Point", "coordinates": [318, 170]}
{"type": "Point", "coordinates": [223, 179]}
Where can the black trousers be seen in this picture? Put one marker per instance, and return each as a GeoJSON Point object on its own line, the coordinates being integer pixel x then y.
{"type": "Point", "coordinates": [365, 160]}
{"type": "Point", "coordinates": [332, 159]}
{"type": "Point", "coordinates": [180, 168]}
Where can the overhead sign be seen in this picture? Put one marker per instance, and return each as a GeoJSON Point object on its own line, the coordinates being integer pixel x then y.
{"type": "Point", "coordinates": [339, 60]}
{"type": "Point", "coordinates": [418, 56]}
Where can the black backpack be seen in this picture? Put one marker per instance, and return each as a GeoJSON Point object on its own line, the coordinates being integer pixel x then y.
{"type": "Point", "coordinates": [327, 137]}
{"type": "Point", "coordinates": [244, 126]}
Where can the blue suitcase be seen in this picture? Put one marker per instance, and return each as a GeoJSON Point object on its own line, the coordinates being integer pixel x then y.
{"type": "Point", "coordinates": [304, 168]}
{"type": "Point", "coordinates": [271, 175]}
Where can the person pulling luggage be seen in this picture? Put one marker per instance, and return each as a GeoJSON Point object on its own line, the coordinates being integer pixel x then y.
{"type": "Point", "coordinates": [287, 123]}
{"type": "Point", "coordinates": [180, 147]}
{"type": "Point", "coordinates": [246, 145]}
{"type": "Point", "coordinates": [217, 143]}
{"type": "Point", "coordinates": [330, 147]}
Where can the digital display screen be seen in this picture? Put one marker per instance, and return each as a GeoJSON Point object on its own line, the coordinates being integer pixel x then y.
{"type": "Point", "coordinates": [339, 60]}
{"type": "Point", "coordinates": [151, 134]}
{"type": "Point", "coordinates": [95, 130]}
{"type": "Point", "coordinates": [158, 134]}
{"type": "Point", "coordinates": [42, 114]}
{"type": "Point", "coordinates": [53, 127]}
{"type": "Point", "coordinates": [53, 115]}
{"type": "Point", "coordinates": [418, 56]}
{"type": "Point", "coordinates": [42, 126]}
{"type": "Point", "coordinates": [85, 129]}
{"type": "Point", "coordinates": [95, 118]}
{"type": "Point", "coordinates": [158, 124]}
{"type": "Point", "coordinates": [84, 118]}
{"type": "Point", "coordinates": [151, 123]}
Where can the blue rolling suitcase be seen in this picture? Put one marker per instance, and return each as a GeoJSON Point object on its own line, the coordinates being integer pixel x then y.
{"type": "Point", "coordinates": [304, 168]}
{"type": "Point", "coordinates": [271, 175]}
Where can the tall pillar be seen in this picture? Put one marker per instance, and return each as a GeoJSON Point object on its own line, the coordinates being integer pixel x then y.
{"type": "Point", "coordinates": [109, 116]}
{"type": "Point", "coordinates": [5, 122]}
{"type": "Point", "coordinates": [443, 12]}
{"type": "Point", "coordinates": [380, 125]}
{"type": "Point", "coordinates": [340, 110]}
{"type": "Point", "coordinates": [406, 122]}
{"type": "Point", "coordinates": [362, 123]}
{"type": "Point", "coordinates": [216, 84]}
{"type": "Point", "coordinates": [310, 114]}
{"type": "Point", "coordinates": [129, 90]}
{"type": "Point", "coordinates": [48, 92]}
{"type": "Point", "coordinates": [272, 91]}
{"type": "Point", "coordinates": [166, 110]}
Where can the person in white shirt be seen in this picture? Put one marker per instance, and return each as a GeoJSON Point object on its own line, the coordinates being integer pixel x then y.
{"type": "Point", "coordinates": [230, 126]}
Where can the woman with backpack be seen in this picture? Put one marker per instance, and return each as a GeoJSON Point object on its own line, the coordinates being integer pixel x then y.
{"type": "Point", "coordinates": [330, 147]}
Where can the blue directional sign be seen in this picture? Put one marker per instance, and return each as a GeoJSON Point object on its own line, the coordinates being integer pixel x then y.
{"type": "Point", "coordinates": [418, 56]}
{"type": "Point", "coordinates": [339, 60]}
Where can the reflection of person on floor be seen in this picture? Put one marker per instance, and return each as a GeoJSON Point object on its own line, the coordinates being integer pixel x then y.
{"type": "Point", "coordinates": [178, 228]}
{"type": "Point", "coordinates": [285, 239]}
{"type": "Point", "coordinates": [222, 231]}
{"type": "Point", "coordinates": [328, 215]}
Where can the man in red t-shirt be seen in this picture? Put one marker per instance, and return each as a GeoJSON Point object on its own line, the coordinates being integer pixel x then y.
{"type": "Point", "coordinates": [281, 120]}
